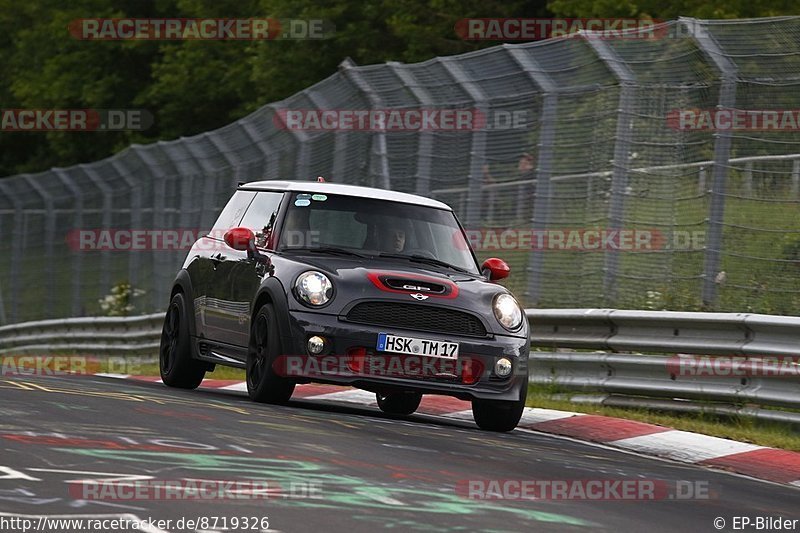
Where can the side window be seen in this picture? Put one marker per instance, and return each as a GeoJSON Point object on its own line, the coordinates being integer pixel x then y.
{"type": "Point", "coordinates": [262, 215]}
{"type": "Point", "coordinates": [232, 213]}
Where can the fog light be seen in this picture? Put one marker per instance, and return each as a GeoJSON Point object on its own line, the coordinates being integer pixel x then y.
{"type": "Point", "coordinates": [502, 367]}
{"type": "Point", "coordinates": [316, 345]}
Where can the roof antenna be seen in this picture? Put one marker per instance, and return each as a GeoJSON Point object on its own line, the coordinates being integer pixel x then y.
{"type": "Point", "coordinates": [320, 179]}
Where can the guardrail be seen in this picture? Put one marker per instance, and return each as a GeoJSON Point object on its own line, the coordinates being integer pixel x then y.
{"type": "Point", "coordinates": [90, 335]}
{"type": "Point", "coordinates": [658, 370]}
{"type": "Point", "coordinates": [758, 370]}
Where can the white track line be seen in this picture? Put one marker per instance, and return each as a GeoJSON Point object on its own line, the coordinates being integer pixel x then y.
{"type": "Point", "coordinates": [349, 396]}
{"type": "Point", "coordinates": [684, 446]}
{"type": "Point", "coordinates": [241, 386]}
{"type": "Point", "coordinates": [535, 415]}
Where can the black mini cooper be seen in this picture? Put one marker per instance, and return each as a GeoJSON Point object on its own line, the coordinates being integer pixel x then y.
{"type": "Point", "coordinates": [307, 281]}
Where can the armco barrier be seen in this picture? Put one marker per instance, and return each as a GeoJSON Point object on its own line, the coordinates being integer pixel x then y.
{"type": "Point", "coordinates": [631, 357]}
{"type": "Point", "coordinates": [90, 335]}
{"type": "Point", "coordinates": [644, 377]}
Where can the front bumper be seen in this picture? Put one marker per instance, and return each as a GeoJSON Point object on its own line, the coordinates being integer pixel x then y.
{"type": "Point", "coordinates": [343, 337]}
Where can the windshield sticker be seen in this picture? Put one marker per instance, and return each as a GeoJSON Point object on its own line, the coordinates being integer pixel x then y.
{"type": "Point", "coordinates": [303, 196]}
{"type": "Point", "coordinates": [302, 203]}
{"type": "Point", "coordinates": [319, 197]}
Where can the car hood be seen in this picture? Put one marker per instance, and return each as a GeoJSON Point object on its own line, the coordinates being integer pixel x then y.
{"type": "Point", "coordinates": [387, 279]}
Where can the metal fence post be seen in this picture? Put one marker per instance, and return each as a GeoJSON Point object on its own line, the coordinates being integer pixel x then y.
{"type": "Point", "coordinates": [349, 70]}
{"type": "Point", "coordinates": [134, 259]}
{"type": "Point", "coordinates": [77, 255]}
{"type": "Point", "coordinates": [425, 137]}
{"type": "Point", "coordinates": [701, 181]}
{"type": "Point", "coordinates": [622, 142]}
{"type": "Point", "coordinates": [158, 259]}
{"type": "Point", "coordinates": [105, 254]}
{"type": "Point", "coordinates": [478, 146]}
{"type": "Point", "coordinates": [3, 319]}
{"type": "Point", "coordinates": [17, 251]}
{"type": "Point", "coordinates": [302, 154]}
{"type": "Point", "coordinates": [206, 217]}
{"type": "Point", "coordinates": [544, 165]}
{"type": "Point", "coordinates": [722, 152]}
{"type": "Point", "coordinates": [49, 239]}
{"type": "Point", "coordinates": [748, 178]}
{"type": "Point", "coordinates": [340, 138]}
{"type": "Point", "coordinates": [271, 171]}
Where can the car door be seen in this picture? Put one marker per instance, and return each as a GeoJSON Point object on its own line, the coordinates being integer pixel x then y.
{"type": "Point", "coordinates": [239, 276]}
{"type": "Point", "coordinates": [206, 256]}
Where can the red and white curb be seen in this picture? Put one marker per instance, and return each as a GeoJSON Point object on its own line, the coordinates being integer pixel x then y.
{"type": "Point", "coordinates": [771, 464]}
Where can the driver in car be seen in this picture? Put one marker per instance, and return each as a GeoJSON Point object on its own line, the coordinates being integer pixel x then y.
{"type": "Point", "coordinates": [397, 239]}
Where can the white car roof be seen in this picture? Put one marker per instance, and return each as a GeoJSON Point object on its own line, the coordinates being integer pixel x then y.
{"type": "Point", "coordinates": [346, 190]}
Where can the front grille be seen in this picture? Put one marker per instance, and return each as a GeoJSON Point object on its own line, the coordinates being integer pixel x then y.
{"type": "Point", "coordinates": [418, 317]}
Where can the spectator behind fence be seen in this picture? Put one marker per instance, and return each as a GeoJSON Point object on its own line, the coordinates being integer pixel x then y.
{"type": "Point", "coordinates": [524, 194]}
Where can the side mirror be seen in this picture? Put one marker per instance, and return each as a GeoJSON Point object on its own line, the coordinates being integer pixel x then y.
{"type": "Point", "coordinates": [239, 238]}
{"type": "Point", "coordinates": [495, 269]}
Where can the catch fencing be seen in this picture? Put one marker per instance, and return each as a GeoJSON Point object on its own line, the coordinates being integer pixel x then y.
{"type": "Point", "coordinates": [583, 140]}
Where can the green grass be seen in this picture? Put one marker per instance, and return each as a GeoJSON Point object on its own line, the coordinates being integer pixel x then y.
{"type": "Point", "coordinates": [762, 265]}
{"type": "Point", "coordinates": [220, 372]}
{"type": "Point", "coordinates": [738, 428]}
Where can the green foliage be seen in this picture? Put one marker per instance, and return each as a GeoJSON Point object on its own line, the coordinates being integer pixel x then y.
{"type": "Point", "coordinates": [119, 302]}
{"type": "Point", "coordinates": [195, 86]}
{"type": "Point", "coordinates": [704, 9]}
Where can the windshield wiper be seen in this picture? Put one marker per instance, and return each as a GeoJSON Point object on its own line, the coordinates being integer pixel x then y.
{"type": "Point", "coordinates": [423, 259]}
{"type": "Point", "coordinates": [324, 250]}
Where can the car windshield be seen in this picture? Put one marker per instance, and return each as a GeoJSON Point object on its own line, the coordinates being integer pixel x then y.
{"type": "Point", "coordinates": [376, 228]}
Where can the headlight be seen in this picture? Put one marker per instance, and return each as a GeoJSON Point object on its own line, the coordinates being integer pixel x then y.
{"type": "Point", "coordinates": [313, 288]}
{"type": "Point", "coordinates": [507, 311]}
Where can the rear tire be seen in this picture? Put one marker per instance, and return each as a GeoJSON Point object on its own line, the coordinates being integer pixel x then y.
{"type": "Point", "coordinates": [496, 415]}
{"type": "Point", "coordinates": [399, 403]}
{"type": "Point", "coordinates": [176, 365]}
{"type": "Point", "coordinates": [264, 385]}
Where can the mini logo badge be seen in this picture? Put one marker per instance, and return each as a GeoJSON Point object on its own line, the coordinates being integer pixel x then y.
{"type": "Point", "coordinates": [419, 296]}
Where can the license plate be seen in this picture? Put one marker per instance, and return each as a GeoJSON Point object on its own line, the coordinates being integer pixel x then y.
{"type": "Point", "coordinates": [412, 346]}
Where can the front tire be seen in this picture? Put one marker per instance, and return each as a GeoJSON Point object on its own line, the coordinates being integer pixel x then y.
{"type": "Point", "coordinates": [501, 416]}
{"type": "Point", "coordinates": [398, 403]}
{"type": "Point", "coordinates": [176, 365]}
{"type": "Point", "coordinates": [264, 385]}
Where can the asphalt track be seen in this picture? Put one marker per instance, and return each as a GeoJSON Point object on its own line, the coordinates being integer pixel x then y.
{"type": "Point", "coordinates": [367, 471]}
